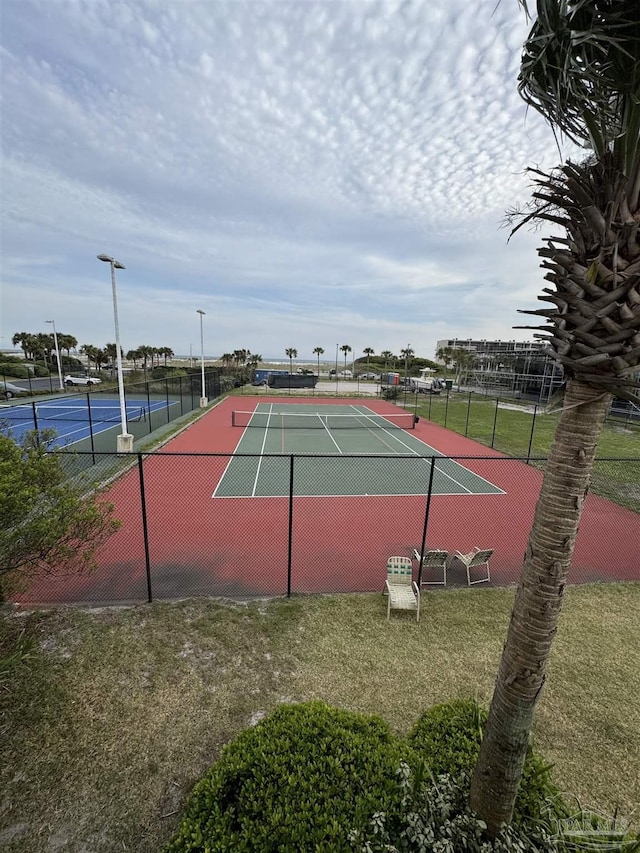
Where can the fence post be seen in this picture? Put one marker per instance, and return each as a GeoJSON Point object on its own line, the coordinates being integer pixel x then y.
{"type": "Point", "coordinates": [446, 410]}
{"type": "Point", "coordinates": [430, 400]}
{"type": "Point", "coordinates": [180, 393]}
{"type": "Point", "coordinates": [35, 415]}
{"type": "Point", "coordinates": [495, 422]}
{"type": "Point", "coordinates": [145, 531]}
{"type": "Point", "coordinates": [149, 406]}
{"type": "Point", "coordinates": [166, 395]}
{"type": "Point", "coordinates": [93, 449]}
{"type": "Point", "coordinates": [466, 426]}
{"type": "Point", "coordinates": [426, 518]}
{"type": "Point", "coordinates": [533, 426]}
{"type": "Point", "coordinates": [291, 458]}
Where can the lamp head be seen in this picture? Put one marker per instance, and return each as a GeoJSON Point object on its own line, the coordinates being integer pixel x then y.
{"type": "Point", "coordinates": [200, 311]}
{"type": "Point", "coordinates": [109, 260]}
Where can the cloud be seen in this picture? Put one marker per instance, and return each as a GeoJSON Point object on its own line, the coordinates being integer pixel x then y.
{"type": "Point", "coordinates": [301, 170]}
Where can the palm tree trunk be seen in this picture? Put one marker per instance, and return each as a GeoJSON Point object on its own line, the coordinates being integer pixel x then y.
{"type": "Point", "coordinates": [537, 604]}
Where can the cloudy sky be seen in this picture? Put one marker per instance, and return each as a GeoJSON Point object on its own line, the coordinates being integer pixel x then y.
{"type": "Point", "coordinates": [307, 173]}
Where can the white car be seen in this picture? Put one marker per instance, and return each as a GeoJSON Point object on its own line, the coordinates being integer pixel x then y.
{"type": "Point", "coordinates": [80, 379]}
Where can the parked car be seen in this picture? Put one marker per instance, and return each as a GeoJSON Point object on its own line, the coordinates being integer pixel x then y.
{"type": "Point", "coordinates": [346, 374]}
{"type": "Point", "coordinates": [80, 379]}
{"type": "Point", "coordinates": [9, 390]}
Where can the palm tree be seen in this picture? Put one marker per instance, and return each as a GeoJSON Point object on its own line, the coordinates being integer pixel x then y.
{"type": "Point", "coordinates": [445, 355]}
{"type": "Point", "coordinates": [100, 357]}
{"type": "Point", "coordinates": [145, 352]}
{"type": "Point", "coordinates": [133, 355]}
{"type": "Point", "coordinates": [345, 349]}
{"type": "Point", "coordinates": [368, 352]}
{"type": "Point", "coordinates": [462, 359]}
{"type": "Point", "coordinates": [387, 355]}
{"type": "Point", "coordinates": [22, 338]}
{"type": "Point", "coordinates": [581, 70]}
{"type": "Point", "coordinates": [318, 351]}
{"type": "Point", "coordinates": [67, 342]}
{"type": "Point", "coordinates": [165, 352]}
{"type": "Point", "coordinates": [91, 353]}
{"type": "Point", "coordinates": [407, 353]}
{"type": "Point", "coordinates": [291, 354]}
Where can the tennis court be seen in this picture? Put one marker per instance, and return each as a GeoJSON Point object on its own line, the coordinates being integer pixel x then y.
{"type": "Point", "coordinates": [333, 445]}
{"type": "Point", "coordinates": [74, 419]}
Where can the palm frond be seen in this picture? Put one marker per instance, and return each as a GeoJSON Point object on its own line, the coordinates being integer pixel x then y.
{"type": "Point", "coordinates": [581, 70]}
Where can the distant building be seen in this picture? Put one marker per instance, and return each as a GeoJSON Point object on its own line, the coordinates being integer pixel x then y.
{"type": "Point", "coordinates": [490, 354]}
{"type": "Point", "coordinates": [521, 368]}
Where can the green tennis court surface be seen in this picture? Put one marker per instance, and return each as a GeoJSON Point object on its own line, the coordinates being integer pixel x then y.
{"type": "Point", "coordinates": [340, 441]}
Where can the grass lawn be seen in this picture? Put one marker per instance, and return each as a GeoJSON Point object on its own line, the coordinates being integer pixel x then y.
{"type": "Point", "coordinates": [515, 432]}
{"type": "Point", "coordinates": [116, 713]}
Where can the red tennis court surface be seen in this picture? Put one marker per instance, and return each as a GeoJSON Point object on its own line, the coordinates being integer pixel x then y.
{"type": "Point", "coordinates": [239, 547]}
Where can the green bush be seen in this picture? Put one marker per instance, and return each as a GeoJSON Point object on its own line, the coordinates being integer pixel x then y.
{"type": "Point", "coordinates": [15, 369]}
{"type": "Point", "coordinates": [40, 369]}
{"type": "Point", "coordinates": [69, 364]}
{"type": "Point", "coordinates": [167, 372]}
{"type": "Point", "coordinates": [435, 816]}
{"type": "Point", "coordinates": [447, 738]}
{"type": "Point", "coordinates": [296, 782]}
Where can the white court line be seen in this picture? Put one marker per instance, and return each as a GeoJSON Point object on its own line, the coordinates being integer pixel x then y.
{"type": "Point", "coordinates": [329, 434]}
{"type": "Point", "coordinates": [264, 441]}
{"type": "Point", "coordinates": [363, 495]}
{"type": "Point", "coordinates": [233, 455]}
{"type": "Point", "coordinates": [437, 453]}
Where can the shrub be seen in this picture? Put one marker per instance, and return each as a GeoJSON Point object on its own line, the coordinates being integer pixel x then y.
{"type": "Point", "coordinates": [447, 738]}
{"type": "Point", "coordinates": [69, 364]}
{"type": "Point", "coordinates": [435, 816]}
{"type": "Point", "coordinates": [297, 781]}
{"type": "Point", "coordinates": [40, 369]}
{"type": "Point", "coordinates": [14, 369]}
{"type": "Point", "coordinates": [167, 372]}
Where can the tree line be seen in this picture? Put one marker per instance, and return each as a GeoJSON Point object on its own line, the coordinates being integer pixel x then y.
{"type": "Point", "coordinates": [41, 346]}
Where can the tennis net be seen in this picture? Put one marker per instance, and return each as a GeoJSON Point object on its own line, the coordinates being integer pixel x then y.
{"type": "Point", "coordinates": [97, 414]}
{"type": "Point", "coordinates": [318, 420]}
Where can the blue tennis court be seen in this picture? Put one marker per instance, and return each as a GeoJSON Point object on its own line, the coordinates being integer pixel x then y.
{"type": "Point", "coordinates": [332, 446]}
{"type": "Point", "coordinates": [75, 419]}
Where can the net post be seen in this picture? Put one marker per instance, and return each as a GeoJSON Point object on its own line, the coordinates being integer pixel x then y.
{"type": "Point", "coordinates": [426, 518]}
{"type": "Point", "coordinates": [290, 545]}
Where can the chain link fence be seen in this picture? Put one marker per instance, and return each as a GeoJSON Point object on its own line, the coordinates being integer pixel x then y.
{"type": "Point", "coordinates": [91, 421]}
{"type": "Point", "coordinates": [326, 524]}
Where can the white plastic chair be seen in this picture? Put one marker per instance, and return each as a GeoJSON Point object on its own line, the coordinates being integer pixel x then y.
{"type": "Point", "coordinates": [403, 592]}
{"type": "Point", "coordinates": [475, 558]}
{"type": "Point", "coordinates": [434, 558]}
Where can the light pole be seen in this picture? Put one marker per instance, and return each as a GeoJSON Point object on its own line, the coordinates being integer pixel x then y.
{"type": "Point", "coordinates": [55, 340]}
{"type": "Point", "coordinates": [124, 442]}
{"type": "Point", "coordinates": [203, 398]}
